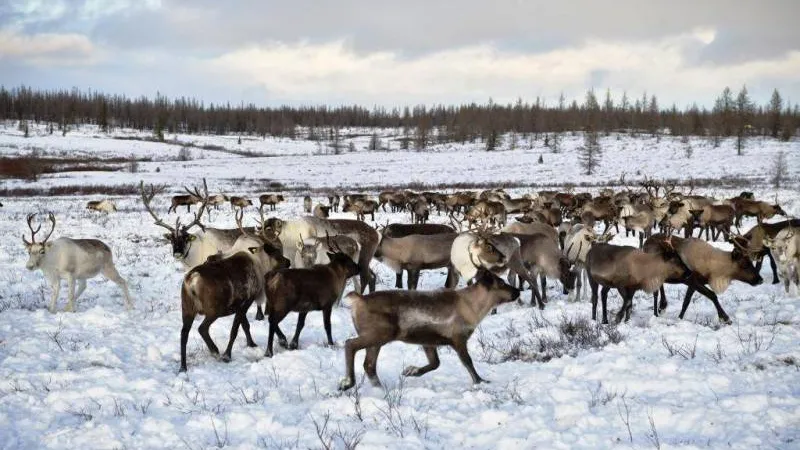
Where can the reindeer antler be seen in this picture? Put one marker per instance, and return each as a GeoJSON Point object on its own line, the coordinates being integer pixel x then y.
{"type": "Point", "coordinates": [52, 228]}
{"type": "Point", "coordinates": [33, 232]}
{"type": "Point", "coordinates": [199, 214]}
{"type": "Point", "coordinates": [147, 197]}
{"type": "Point", "coordinates": [332, 245]}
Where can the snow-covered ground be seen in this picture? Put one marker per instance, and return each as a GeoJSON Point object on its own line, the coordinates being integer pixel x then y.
{"type": "Point", "coordinates": [107, 378]}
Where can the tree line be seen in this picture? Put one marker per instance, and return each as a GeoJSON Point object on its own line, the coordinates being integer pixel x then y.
{"type": "Point", "coordinates": [732, 115]}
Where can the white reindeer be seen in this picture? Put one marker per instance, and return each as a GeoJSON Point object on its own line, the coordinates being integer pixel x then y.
{"type": "Point", "coordinates": [786, 251]}
{"type": "Point", "coordinates": [73, 259]}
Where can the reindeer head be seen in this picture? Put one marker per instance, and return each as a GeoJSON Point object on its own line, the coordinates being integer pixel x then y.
{"type": "Point", "coordinates": [179, 235]}
{"type": "Point", "coordinates": [37, 250]}
{"type": "Point", "coordinates": [742, 258]}
{"type": "Point", "coordinates": [502, 291]}
{"type": "Point", "coordinates": [340, 258]}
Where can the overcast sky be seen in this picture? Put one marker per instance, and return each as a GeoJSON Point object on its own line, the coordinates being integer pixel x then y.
{"type": "Point", "coordinates": [403, 51]}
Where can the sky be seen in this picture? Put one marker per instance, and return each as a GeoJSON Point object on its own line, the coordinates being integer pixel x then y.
{"type": "Point", "coordinates": [394, 53]}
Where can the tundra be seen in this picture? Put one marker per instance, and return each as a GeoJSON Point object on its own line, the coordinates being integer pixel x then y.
{"type": "Point", "coordinates": [73, 259]}
{"type": "Point", "coordinates": [270, 200]}
{"type": "Point", "coordinates": [430, 319]}
{"type": "Point", "coordinates": [223, 286]}
{"type": "Point", "coordinates": [105, 206]}
{"type": "Point", "coordinates": [316, 288]}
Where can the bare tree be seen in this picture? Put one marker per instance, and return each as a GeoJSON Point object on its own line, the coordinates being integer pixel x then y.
{"type": "Point", "coordinates": [590, 153]}
{"type": "Point", "coordinates": [780, 169]}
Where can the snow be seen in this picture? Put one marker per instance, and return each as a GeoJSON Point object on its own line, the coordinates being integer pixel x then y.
{"type": "Point", "coordinates": [107, 378]}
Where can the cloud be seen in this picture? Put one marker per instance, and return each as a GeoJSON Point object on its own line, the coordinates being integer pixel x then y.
{"type": "Point", "coordinates": [308, 71]}
{"type": "Point", "coordinates": [47, 48]}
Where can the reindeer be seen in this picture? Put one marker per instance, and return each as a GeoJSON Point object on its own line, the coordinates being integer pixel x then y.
{"type": "Point", "coordinates": [627, 269]}
{"type": "Point", "coordinates": [486, 210]}
{"type": "Point", "coordinates": [430, 319]}
{"type": "Point", "coordinates": [601, 209]}
{"type": "Point", "coordinates": [416, 252]}
{"type": "Point", "coordinates": [757, 209]}
{"type": "Point", "coordinates": [73, 259]}
{"type": "Point", "coordinates": [333, 202]}
{"type": "Point", "coordinates": [321, 211]}
{"type": "Point", "coordinates": [269, 199]}
{"type": "Point", "coordinates": [641, 220]}
{"type": "Point", "coordinates": [459, 202]}
{"type": "Point", "coordinates": [218, 199]}
{"type": "Point", "coordinates": [662, 245]}
{"type": "Point", "coordinates": [105, 206]}
{"type": "Point", "coordinates": [542, 257]}
{"type": "Point", "coordinates": [180, 200]}
{"type": "Point", "coordinates": [400, 230]}
{"type": "Point", "coordinates": [240, 202]}
{"type": "Point", "coordinates": [227, 285]}
{"type": "Point", "coordinates": [361, 208]}
{"type": "Point", "coordinates": [754, 241]}
{"type": "Point", "coordinates": [577, 243]}
{"type": "Point", "coordinates": [419, 210]}
{"type": "Point", "coordinates": [287, 232]}
{"type": "Point", "coordinates": [191, 249]}
{"type": "Point", "coordinates": [496, 252]}
{"type": "Point", "coordinates": [716, 220]}
{"type": "Point", "coordinates": [786, 249]}
{"type": "Point", "coordinates": [303, 290]}
{"type": "Point", "coordinates": [517, 205]}
{"type": "Point", "coordinates": [436, 199]}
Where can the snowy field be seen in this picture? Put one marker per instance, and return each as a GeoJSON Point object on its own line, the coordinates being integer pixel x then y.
{"type": "Point", "coordinates": [107, 378]}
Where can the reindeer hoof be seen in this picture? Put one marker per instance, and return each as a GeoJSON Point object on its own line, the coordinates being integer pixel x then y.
{"type": "Point", "coordinates": [283, 343]}
{"type": "Point", "coordinates": [259, 315]}
{"type": "Point", "coordinates": [268, 353]}
{"type": "Point", "coordinates": [411, 371]}
{"type": "Point", "coordinates": [725, 320]}
{"type": "Point", "coordinates": [346, 384]}
{"type": "Point", "coordinates": [293, 345]}
{"type": "Point", "coordinates": [481, 380]}
{"type": "Point", "coordinates": [252, 344]}
{"type": "Point", "coordinates": [225, 358]}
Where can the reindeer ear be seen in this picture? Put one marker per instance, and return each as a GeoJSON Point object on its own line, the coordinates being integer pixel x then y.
{"type": "Point", "coordinates": [48, 245]}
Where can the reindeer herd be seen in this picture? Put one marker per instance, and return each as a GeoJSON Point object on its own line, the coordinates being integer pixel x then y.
{"type": "Point", "coordinates": [303, 264]}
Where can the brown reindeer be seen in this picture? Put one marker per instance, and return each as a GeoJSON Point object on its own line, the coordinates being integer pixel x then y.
{"type": "Point", "coordinates": [429, 319]}
{"type": "Point", "coordinates": [321, 211]}
{"type": "Point", "coordinates": [759, 210]}
{"type": "Point", "coordinates": [269, 199]}
{"type": "Point", "coordinates": [333, 202]}
{"type": "Point", "coordinates": [240, 202]}
{"type": "Point", "coordinates": [224, 286]}
{"type": "Point", "coordinates": [716, 220]}
{"type": "Point", "coordinates": [399, 230]}
{"type": "Point", "coordinates": [316, 288]}
{"type": "Point", "coordinates": [181, 200]}
{"type": "Point", "coordinates": [416, 252]}
{"type": "Point", "coordinates": [361, 208]}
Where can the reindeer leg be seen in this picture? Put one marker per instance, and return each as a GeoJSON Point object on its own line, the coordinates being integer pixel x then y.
{"type": "Point", "coordinates": [460, 346]}
{"type": "Point", "coordinates": [371, 364]}
{"type": "Point", "coordinates": [246, 328]}
{"type": "Point", "coordinates": [351, 346]}
{"type": "Point", "coordinates": [81, 288]}
{"type": "Point", "coordinates": [433, 363]}
{"type": "Point", "coordinates": [662, 305]}
{"type": "Point", "coordinates": [203, 330]}
{"type": "Point", "coordinates": [774, 267]}
{"type": "Point", "coordinates": [259, 312]}
{"type": "Point", "coordinates": [326, 321]}
{"type": "Point", "coordinates": [301, 322]}
{"type": "Point", "coordinates": [111, 273]}
{"type": "Point", "coordinates": [55, 286]}
{"type": "Point", "coordinates": [709, 294]}
{"type": "Point", "coordinates": [544, 287]}
{"type": "Point", "coordinates": [593, 286]}
{"type": "Point", "coordinates": [70, 294]}
{"type": "Point", "coordinates": [604, 294]}
{"type": "Point", "coordinates": [188, 319]}
{"type": "Point", "coordinates": [686, 299]}
{"type": "Point", "coordinates": [398, 279]}
{"type": "Point", "coordinates": [237, 320]}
